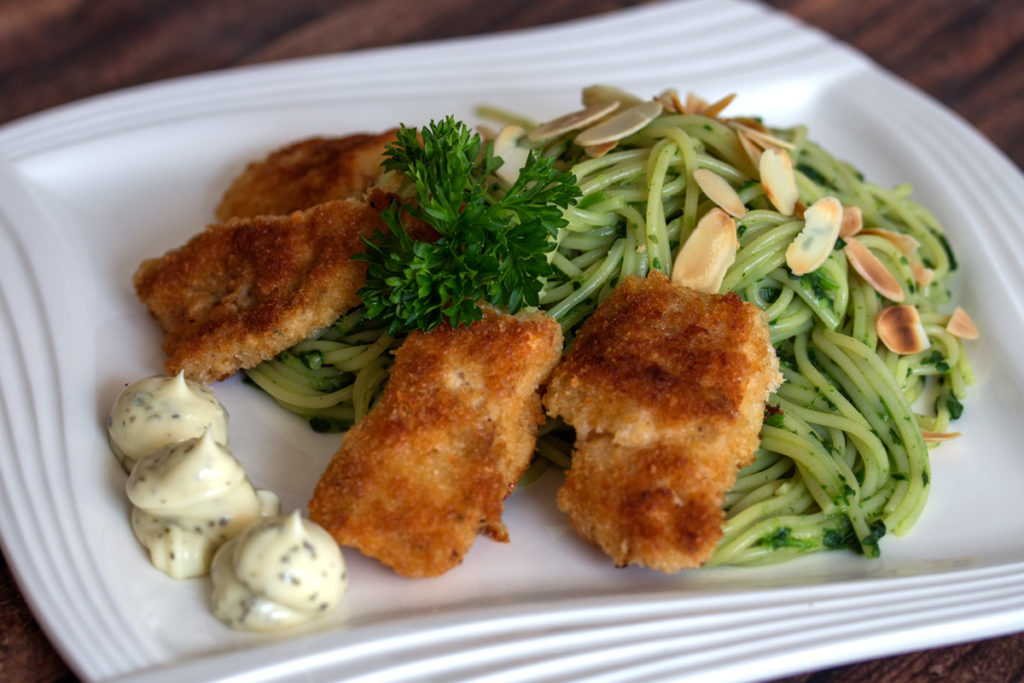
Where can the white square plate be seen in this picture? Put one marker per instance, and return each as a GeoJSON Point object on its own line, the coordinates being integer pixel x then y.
{"type": "Point", "coordinates": [89, 190]}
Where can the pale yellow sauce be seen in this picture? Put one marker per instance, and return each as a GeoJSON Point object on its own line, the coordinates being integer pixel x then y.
{"type": "Point", "coordinates": [196, 512]}
{"type": "Point", "coordinates": [156, 411]}
{"type": "Point", "coordinates": [188, 499]}
{"type": "Point", "coordinates": [279, 572]}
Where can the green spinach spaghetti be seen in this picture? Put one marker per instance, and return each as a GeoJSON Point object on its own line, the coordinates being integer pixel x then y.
{"type": "Point", "coordinates": [843, 456]}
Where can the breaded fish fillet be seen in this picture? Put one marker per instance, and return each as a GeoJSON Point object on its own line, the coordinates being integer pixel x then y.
{"type": "Point", "coordinates": [665, 387]}
{"type": "Point", "coordinates": [240, 292]}
{"type": "Point", "coordinates": [306, 173]}
{"type": "Point", "coordinates": [428, 469]}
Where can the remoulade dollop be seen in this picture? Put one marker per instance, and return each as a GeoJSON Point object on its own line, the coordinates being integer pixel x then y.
{"type": "Point", "coordinates": [188, 499]}
{"type": "Point", "coordinates": [279, 572]}
{"type": "Point", "coordinates": [156, 411]}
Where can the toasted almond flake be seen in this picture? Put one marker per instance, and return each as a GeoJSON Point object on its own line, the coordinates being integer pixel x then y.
{"type": "Point", "coordinates": [764, 139]}
{"type": "Point", "coordinates": [873, 271]}
{"type": "Point", "coordinates": [572, 121]}
{"type": "Point", "coordinates": [512, 155]}
{"type": "Point", "coordinates": [904, 242]}
{"type": "Point", "coordinates": [720, 192]}
{"type": "Point", "coordinates": [811, 247]}
{"type": "Point", "coordinates": [695, 104]}
{"type": "Point", "coordinates": [853, 221]}
{"type": "Point", "coordinates": [620, 125]}
{"type": "Point", "coordinates": [901, 330]}
{"type": "Point", "coordinates": [715, 108]}
{"type": "Point", "coordinates": [602, 94]}
{"type": "Point", "coordinates": [596, 151]}
{"type": "Point", "coordinates": [778, 180]}
{"type": "Point", "coordinates": [750, 147]}
{"type": "Point", "coordinates": [936, 437]}
{"type": "Point", "coordinates": [799, 209]}
{"type": "Point", "coordinates": [677, 105]}
{"type": "Point", "coordinates": [670, 100]}
{"type": "Point", "coordinates": [922, 276]}
{"type": "Point", "coordinates": [960, 325]}
{"type": "Point", "coordinates": [486, 132]}
{"type": "Point", "coordinates": [769, 140]}
{"type": "Point", "coordinates": [708, 252]}
{"type": "Point", "coordinates": [738, 122]}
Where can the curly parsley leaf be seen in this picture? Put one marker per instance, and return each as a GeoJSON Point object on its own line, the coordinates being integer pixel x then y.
{"type": "Point", "coordinates": [493, 245]}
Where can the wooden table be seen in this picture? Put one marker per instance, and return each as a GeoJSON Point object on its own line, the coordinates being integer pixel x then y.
{"type": "Point", "coordinates": [967, 53]}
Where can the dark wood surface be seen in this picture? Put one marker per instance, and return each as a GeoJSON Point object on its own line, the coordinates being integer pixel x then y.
{"type": "Point", "coordinates": [969, 54]}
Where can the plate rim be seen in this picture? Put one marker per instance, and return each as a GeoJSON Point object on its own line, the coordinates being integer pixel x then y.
{"type": "Point", "coordinates": [15, 149]}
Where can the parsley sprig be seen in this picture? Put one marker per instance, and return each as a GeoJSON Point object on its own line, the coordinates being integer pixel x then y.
{"type": "Point", "coordinates": [493, 244]}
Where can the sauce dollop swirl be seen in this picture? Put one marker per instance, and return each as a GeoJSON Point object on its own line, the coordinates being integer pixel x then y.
{"type": "Point", "coordinates": [279, 572]}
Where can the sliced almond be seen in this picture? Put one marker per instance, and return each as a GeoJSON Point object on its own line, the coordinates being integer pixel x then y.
{"type": "Point", "coordinates": [738, 122]}
{"type": "Point", "coordinates": [901, 330]}
{"type": "Point", "coordinates": [695, 104]}
{"type": "Point", "coordinates": [922, 276]}
{"type": "Point", "coordinates": [811, 247]}
{"type": "Point", "coordinates": [715, 108]}
{"type": "Point", "coordinates": [873, 271]}
{"type": "Point", "coordinates": [853, 221]}
{"type": "Point", "coordinates": [572, 121]}
{"type": "Point", "coordinates": [904, 242]}
{"type": "Point", "coordinates": [620, 125]}
{"type": "Point", "coordinates": [762, 137]}
{"type": "Point", "coordinates": [750, 147]}
{"type": "Point", "coordinates": [506, 146]}
{"type": "Point", "coordinates": [778, 180]}
{"type": "Point", "coordinates": [596, 151]}
{"type": "Point", "coordinates": [960, 325]}
{"type": "Point", "coordinates": [936, 437]}
{"type": "Point", "coordinates": [720, 192]}
{"type": "Point", "coordinates": [602, 94]}
{"type": "Point", "coordinates": [707, 254]}
{"type": "Point", "coordinates": [670, 100]}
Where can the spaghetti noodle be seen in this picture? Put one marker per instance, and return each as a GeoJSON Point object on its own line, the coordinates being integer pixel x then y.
{"type": "Point", "coordinates": [842, 456]}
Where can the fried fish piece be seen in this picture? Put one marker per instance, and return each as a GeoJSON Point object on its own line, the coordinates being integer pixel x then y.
{"type": "Point", "coordinates": [665, 387]}
{"type": "Point", "coordinates": [428, 469]}
{"type": "Point", "coordinates": [306, 173]}
{"type": "Point", "coordinates": [240, 292]}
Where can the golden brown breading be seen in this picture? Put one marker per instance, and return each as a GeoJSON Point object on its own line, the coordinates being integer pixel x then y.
{"type": "Point", "coordinates": [304, 174]}
{"type": "Point", "coordinates": [655, 505]}
{"type": "Point", "coordinates": [666, 389]}
{"type": "Point", "coordinates": [240, 292]}
{"type": "Point", "coordinates": [428, 469]}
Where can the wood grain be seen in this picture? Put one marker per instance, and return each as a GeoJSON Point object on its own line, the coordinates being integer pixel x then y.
{"type": "Point", "coordinates": [969, 54]}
